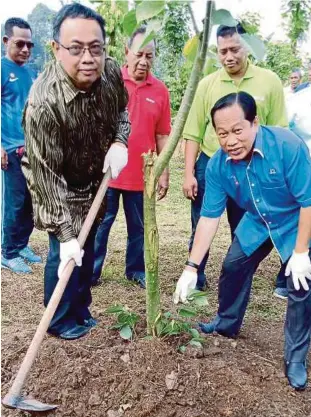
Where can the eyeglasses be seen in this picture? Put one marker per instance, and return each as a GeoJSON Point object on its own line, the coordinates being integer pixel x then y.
{"type": "Point", "coordinates": [78, 50]}
{"type": "Point", "coordinates": [22, 44]}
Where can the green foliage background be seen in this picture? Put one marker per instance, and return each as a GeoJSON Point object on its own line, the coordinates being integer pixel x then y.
{"type": "Point", "coordinates": [170, 64]}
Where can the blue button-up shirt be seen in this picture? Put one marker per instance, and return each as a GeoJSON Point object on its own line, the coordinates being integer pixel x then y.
{"type": "Point", "coordinates": [271, 187]}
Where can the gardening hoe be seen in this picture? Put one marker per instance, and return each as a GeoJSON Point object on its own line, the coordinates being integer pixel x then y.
{"type": "Point", "coordinates": [14, 398]}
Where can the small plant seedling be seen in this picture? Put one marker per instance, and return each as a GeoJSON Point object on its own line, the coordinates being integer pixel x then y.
{"type": "Point", "coordinates": [126, 320]}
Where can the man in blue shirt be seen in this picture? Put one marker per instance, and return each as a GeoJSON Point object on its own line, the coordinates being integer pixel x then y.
{"type": "Point", "coordinates": [267, 172]}
{"type": "Point", "coordinates": [16, 80]}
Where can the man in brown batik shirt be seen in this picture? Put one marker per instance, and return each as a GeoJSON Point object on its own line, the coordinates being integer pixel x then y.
{"type": "Point", "coordinates": [76, 126]}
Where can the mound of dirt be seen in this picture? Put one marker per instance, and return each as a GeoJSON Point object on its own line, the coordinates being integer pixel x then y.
{"type": "Point", "coordinates": [101, 375]}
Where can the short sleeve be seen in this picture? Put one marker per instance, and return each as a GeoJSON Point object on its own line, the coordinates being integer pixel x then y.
{"type": "Point", "coordinates": [215, 197]}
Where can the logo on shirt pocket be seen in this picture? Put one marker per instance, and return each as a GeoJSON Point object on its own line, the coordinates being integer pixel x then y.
{"type": "Point", "coordinates": [150, 100]}
{"type": "Point", "coordinates": [12, 77]}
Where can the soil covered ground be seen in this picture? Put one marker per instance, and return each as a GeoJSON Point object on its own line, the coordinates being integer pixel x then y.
{"type": "Point", "coordinates": [101, 375]}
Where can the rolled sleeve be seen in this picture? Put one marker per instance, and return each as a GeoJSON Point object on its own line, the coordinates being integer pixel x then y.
{"type": "Point", "coordinates": [215, 197]}
{"type": "Point", "coordinates": [298, 174]}
{"type": "Point", "coordinates": [123, 128]}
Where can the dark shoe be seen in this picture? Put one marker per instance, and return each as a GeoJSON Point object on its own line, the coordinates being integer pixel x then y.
{"type": "Point", "coordinates": [96, 283]}
{"type": "Point", "coordinates": [138, 277]}
{"type": "Point", "coordinates": [296, 373]}
{"type": "Point", "coordinates": [74, 333]}
{"type": "Point", "coordinates": [202, 288]}
{"type": "Point", "coordinates": [281, 293]}
{"type": "Point", "coordinates": [208, 327]}
{"type": "Point", "coordinates": [90, 322]}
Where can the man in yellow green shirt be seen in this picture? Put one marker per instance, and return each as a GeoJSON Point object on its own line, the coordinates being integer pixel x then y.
{"type": "Point", "coordinates": [236, 74]}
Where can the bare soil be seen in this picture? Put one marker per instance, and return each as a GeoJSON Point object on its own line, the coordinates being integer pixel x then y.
{"type": "Point", "coordinates": [101, 375]}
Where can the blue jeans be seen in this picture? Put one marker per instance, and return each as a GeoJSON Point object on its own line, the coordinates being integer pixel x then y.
{"type": "Point", "coordinates": [133, 204]}
{"type": "Point", "coordinates": [234, 291]}
{"type": "Point", "coordinates": [73, 308]}
{"type": "Point", "coordinates": [234, 214]}
{"type": "Point", "coordinates": [17, 219]}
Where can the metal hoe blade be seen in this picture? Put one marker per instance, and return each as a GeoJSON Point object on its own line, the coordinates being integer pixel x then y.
{"type": "Point", "coordinates": [30, 405]}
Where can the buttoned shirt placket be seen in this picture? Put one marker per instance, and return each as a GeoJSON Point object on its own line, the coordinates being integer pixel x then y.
{"type": "Point", "coordinates": [258, 200]}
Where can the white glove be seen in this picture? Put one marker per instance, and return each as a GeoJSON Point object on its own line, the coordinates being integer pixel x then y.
{"type": "Point", "coordinates": [69, 250]}
{"type": "Point", "coordinates": [299, 265]}
{"type": "Point", "coordinates": [116, 159]}
{"type": "Point", "coordinates": [185, 284]}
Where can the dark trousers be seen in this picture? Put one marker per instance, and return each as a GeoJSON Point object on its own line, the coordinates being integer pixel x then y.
{"type": "Point", "coordinates": [234, 214]}
{"type": "Point", "coordinates": [133, 204]}
{"type": "Point", "coordinates": [73, 308]}
{"type": "Point", "coordinates": [234, 291]}
{"type": "Point", "coordinates": [17, 219]}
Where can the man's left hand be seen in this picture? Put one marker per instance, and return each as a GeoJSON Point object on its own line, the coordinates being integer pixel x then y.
{"type": "Point", "coordinates": [163, 184]}
{"type": "Point", "coordinates": [299, 265]}
{"type": "Point", "coordinates": [116, 159]}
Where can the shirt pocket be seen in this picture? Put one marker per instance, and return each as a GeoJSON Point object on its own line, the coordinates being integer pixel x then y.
{"type": "Point", "coordinates": [271, 185]}
{"type": "Point", "coordinates": [276, 193]}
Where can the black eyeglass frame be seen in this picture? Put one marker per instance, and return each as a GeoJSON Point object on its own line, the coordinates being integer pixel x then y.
{"type": "Point", "coordinates": [83, 49]}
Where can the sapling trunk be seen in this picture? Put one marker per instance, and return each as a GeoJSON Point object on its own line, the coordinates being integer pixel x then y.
{"type": "Point", "coordinates": [153, 168]}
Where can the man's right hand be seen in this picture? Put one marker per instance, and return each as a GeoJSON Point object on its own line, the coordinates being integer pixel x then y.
{"type": "Point", "coordinates": [4, 159]}
{"type": "Point", "coordinates": [69, 250]}
{"type": "Point", "coordinates": [186, 283]}
{"type": "Point", "coordinates": [190, 187]}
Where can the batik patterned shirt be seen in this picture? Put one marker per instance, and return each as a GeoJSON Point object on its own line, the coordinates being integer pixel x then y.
{"type": "Point", "coordinates": [68, 133]}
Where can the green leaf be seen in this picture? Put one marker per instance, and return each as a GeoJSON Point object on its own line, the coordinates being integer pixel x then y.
{"type": "Point", "coordinates": [199, 339]}
{"type": "Point", "coordinates": [151, 30]}
{"type": "Point", "coordinates": [129, 22]}
{"type": "Point", "coordinates": [186, 312]}
{"type": "Point", "coordinates": [116, 326]}
{"type": "Point", "coordinates": [148, 9]}
{"type": "Point", "coordinates": [201, 301]}
{"type": "Point", "coordinates": [194, 333]}
{"type": "Point", "coordinates": [123, 5]}
{"type": "Point", "coordinates": [148, 337]}
{"type": "Point", "coordinates": [211, 66]}
{"type": "Point", "coordinates": [197, 293]}
{"type": "Point", "coordinates": [160, 325]}
{"type": "Point", "coordinates": [182, 349]}
{"type": "Point", "coordinates": [126, 332]}
{"type": "Point", "coordinates": [123, 317]}
{"type": "Point", "coordinates": [211, 54]}
{"type": "Point", "coordinates": [195, 343]}
{"type": "Point", "coordinates": [191, 47]}
{"type": "Point", "coordinates": [167, 315]}
{"type": "Point", "coordinates": [254, 45]}
{"type": "Point", "coordinates": [114, 309]}
{"type": "Point", "coordinates": [223, 17]}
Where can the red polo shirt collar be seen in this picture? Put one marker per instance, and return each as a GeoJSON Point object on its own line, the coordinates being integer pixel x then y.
{"type": "Point", "coordinates": [125, 75]}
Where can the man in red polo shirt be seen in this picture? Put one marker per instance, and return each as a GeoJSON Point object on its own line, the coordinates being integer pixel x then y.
{"type": "Point", "coordinates": [149, 111]}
